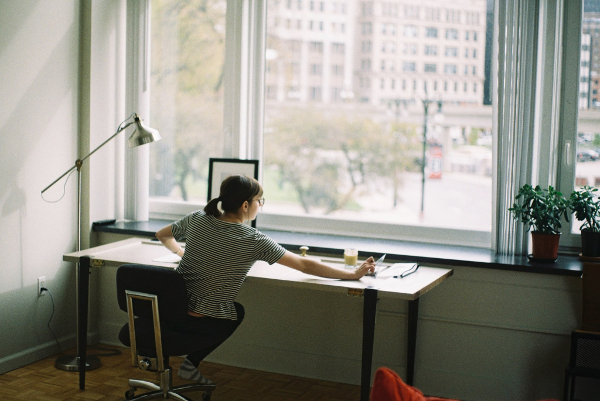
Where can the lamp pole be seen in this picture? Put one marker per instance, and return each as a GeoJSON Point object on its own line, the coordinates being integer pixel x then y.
{"type": "Point", "coordinates": [426, 103]}
{"type": "Point", "coordinates": [81, 362]}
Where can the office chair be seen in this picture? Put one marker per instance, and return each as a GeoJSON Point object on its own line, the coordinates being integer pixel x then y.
{"type": "Point", "coordinates": [151, 296]}
{"type": "Point", "coordinates": [584, 360]}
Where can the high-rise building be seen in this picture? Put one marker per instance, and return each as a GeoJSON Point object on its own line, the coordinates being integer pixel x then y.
{"type": "Point", "coordinates": [376, 51]}
{"type": "Point", "coordinates": [415, 49]}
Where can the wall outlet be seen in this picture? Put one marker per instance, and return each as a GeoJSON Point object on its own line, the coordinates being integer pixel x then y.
{"type": "Point", "coordinates": [41, 284]}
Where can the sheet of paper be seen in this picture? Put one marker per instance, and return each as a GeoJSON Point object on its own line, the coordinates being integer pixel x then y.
{"type": "Point", "coordinates": [395, 270]}
{"type": "Point", "coordinates": [169, 258]}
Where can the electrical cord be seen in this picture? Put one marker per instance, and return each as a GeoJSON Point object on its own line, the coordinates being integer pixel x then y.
{"type": "Point", "coordinates": [111, 351]}
{"type": "Point", "coordinates": [64, 191]}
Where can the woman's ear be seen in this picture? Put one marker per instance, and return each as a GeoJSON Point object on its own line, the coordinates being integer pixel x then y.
{"type": "Point", "coordinates": [245, 205]}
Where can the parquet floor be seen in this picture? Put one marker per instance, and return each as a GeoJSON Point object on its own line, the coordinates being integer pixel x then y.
{"type": "Point", "coordinates": [42, 381]}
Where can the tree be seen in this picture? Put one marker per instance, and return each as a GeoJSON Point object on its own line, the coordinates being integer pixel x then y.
{"type": "Point", "coordinates": [328, 157]}
{"type": "Point", "coordinates": [188, 85]}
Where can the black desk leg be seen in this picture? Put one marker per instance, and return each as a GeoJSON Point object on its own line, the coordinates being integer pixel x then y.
{"type": "Point", "coordinates": [413, 316]}
{"type": "Point", "coordinates": [82, 316]}
{"type": "Point", "coordinates": [369, 311]}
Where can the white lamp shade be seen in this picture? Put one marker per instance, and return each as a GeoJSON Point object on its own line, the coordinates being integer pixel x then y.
{"type": "Point", "coordinates": [143, 134]}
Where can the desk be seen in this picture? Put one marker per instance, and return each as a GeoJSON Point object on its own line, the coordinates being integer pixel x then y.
{"type": "Point", "coordinates": [143, 251]}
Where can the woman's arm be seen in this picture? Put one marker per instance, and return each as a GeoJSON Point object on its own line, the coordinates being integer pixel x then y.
{"type": "Point", "coordinates": [165, 236]}
{"type": "Point", "coordinates": [311, 266]}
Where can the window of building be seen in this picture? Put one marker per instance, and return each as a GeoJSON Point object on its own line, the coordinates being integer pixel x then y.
{"type": "Point", "coordinates": [411, 31]}
{"type": "Point", "coordinates": [430, 68]}
{"type": "Point", "coordinates": [430, 50]}
{"type": "Point", "coordinates": [431, 32]}
{"type": "Point", "coordinates": [409, 66]}
{"type": "Point", "coordinates": [410, 48]}
{"type": "Point", "coordinates": [452, 34]}
{"type": "Point", "coordinates": [451, 52]}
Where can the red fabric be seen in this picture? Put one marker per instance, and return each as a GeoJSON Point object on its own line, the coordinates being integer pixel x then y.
{"type": "Point", "coordinates": [388, 386]}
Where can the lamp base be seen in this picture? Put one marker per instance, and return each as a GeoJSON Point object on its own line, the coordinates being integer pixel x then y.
{"type": "Point", "coordinates": [71, 363]}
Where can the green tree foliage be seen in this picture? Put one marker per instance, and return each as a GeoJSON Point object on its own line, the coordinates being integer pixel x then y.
{"type": "Point", "coordinates": [327, 156]}
{"type": "Point", "coordinates": [188, 85]}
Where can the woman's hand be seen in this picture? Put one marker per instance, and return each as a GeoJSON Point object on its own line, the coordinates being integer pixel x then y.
{"type": "Point", "coordinates": [368, 266]}
{"type": "Point", "coordinates": [311, 266]}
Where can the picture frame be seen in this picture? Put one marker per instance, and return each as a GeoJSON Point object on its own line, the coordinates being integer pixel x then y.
{"type": "Point", "coordinates": [219, 169]}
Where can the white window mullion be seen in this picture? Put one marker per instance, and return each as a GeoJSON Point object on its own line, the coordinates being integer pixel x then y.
{"type": "Point", "coordinates": [138, 101]}
{"type": "Point", "coordinates": [234, 124]}
{"type": "Point", "coordinates": [569, 109]}
{"type": "Point", "coordinates": [244, 86]}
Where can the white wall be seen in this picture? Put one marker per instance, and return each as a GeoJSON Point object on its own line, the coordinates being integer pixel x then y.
{"type": "Point", "coordinates": [60, 100]}
{"type": "Point", "coordinates": [39, 46]}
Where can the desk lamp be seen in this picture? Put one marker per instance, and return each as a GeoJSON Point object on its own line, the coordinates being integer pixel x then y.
{"type": "Point", "coordinates": [142, 135]}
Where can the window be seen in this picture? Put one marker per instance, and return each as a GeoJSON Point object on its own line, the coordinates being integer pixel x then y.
{"type": "Point", "coordinates": [451, 34]}
{"type": "Point", "coordinates": [316, 134]}
{"type": "Point", "coordinates": [410, 31]}
{"type": "Point", "coordinates": [410, 48]}
{"type": "Point", "coordinates": [450, 69]}
{"type": "Point", "coordinates": [431, 32]}
{"type": "Point", "coordinates": [430, 68]}
{"type": "Point", "coordinates": [409, 67]}
{"type": "Point", "coordinates": [451, 52]}
{"type": "Point", "coordinates": [430, 50]}
{"type": "Point", "coordinates": [191, 104]}
{"type": "Point", "coordinates": [585, 143]}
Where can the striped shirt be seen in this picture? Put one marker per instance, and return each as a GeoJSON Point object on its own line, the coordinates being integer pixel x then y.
{"type": "Point", "coordinates": [217, 258]}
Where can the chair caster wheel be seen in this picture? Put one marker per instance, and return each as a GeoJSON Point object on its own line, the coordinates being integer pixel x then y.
{"type": "Point", "coordinates": [129, 394]}
{"type": "Point", "coordinates": [206, 396]}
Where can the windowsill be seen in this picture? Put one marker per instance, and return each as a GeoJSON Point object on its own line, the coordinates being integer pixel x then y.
{"type": "Point", "coordinates": [430, 254]}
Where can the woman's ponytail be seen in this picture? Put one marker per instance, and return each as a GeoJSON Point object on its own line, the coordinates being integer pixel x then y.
{"type": "Point", "coordinates": [212, 207]}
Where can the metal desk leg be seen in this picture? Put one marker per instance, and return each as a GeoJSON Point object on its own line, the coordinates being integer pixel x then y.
{"type": "Point", "coordinates": [83, 290]}
{"type": "Point", "coordinates": [369, 311]}
{"type": "Point", "coordinates": [413, 316]}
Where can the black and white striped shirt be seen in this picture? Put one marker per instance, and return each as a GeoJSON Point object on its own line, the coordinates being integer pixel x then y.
{"type": "Point", "coordinates": [217, 257]}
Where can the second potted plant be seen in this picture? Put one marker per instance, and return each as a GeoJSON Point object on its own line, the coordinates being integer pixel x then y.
{"type": "Point", "coordinates": [587, 209]}
{"type": "Point", "coordinates": [542, 212]}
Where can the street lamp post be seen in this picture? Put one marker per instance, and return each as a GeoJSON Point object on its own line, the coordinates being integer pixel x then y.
{"type": "Point", "coordinates": [426, 103]}
{"type": "Point", "coordinates": [396, 136]}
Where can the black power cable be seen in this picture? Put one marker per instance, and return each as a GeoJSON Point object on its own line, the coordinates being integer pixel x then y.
{"type": "Point", "coordinates": [111, 351]}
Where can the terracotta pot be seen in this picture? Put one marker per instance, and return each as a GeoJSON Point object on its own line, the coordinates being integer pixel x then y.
{"type": "Point", "coordinates": [590, 244]}
{"type": "Point", "coordinates": [545, 246]}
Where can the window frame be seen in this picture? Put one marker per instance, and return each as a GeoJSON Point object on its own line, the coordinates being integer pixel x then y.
{"type": "Point", "coordinates": [243, 125]}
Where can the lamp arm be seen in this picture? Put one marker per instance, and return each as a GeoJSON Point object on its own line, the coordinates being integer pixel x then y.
{"type": "Point", "coordinates": [79, 162]}
{"type": "Point", "coordinates": [107, 141]}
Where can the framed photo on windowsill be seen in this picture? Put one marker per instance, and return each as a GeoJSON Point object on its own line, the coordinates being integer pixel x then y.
{"type": "Point", "coordinates": [219, 169]}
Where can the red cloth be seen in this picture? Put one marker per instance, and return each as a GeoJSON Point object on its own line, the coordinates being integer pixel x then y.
{"type": "Point", "coordinates": [388, 386]}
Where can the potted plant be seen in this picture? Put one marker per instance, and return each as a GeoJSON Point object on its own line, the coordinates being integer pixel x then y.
{"type": "Point", "coordinates": [587, 209]}
{"type": "Point", "coordinates": [541, 211]}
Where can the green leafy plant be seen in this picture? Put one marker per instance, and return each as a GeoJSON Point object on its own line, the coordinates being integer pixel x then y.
{"type": "Point", "coordinates": [586, 208]}
{"type": "Point", "coordinates": [540, 210]}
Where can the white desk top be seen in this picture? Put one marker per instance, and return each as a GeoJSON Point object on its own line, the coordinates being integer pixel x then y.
{"type": "Point", "coordinates": [143, 251]}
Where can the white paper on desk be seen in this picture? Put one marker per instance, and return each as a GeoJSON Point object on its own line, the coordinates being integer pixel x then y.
{"type": "Point", "coordinates": [395, 270]}
{"type": "Point", "coordinates": [170, 258]}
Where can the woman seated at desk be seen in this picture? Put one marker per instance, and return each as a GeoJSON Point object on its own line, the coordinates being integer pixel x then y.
{"type": "Point", "coordinates": [220, 250]}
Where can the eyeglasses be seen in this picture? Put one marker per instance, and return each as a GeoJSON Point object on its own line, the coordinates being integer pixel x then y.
{"type": "Point", "coordinates": [261, 201]}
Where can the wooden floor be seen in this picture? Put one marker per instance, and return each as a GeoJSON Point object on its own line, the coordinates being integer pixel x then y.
{"type": "Point", "coordinates": [42, 381]}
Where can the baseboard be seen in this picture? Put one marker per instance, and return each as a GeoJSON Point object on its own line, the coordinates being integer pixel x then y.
{"type": "Point", "coordinates": [290, 362]}
{"type": "Point", "coordinates": [34, 354]}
